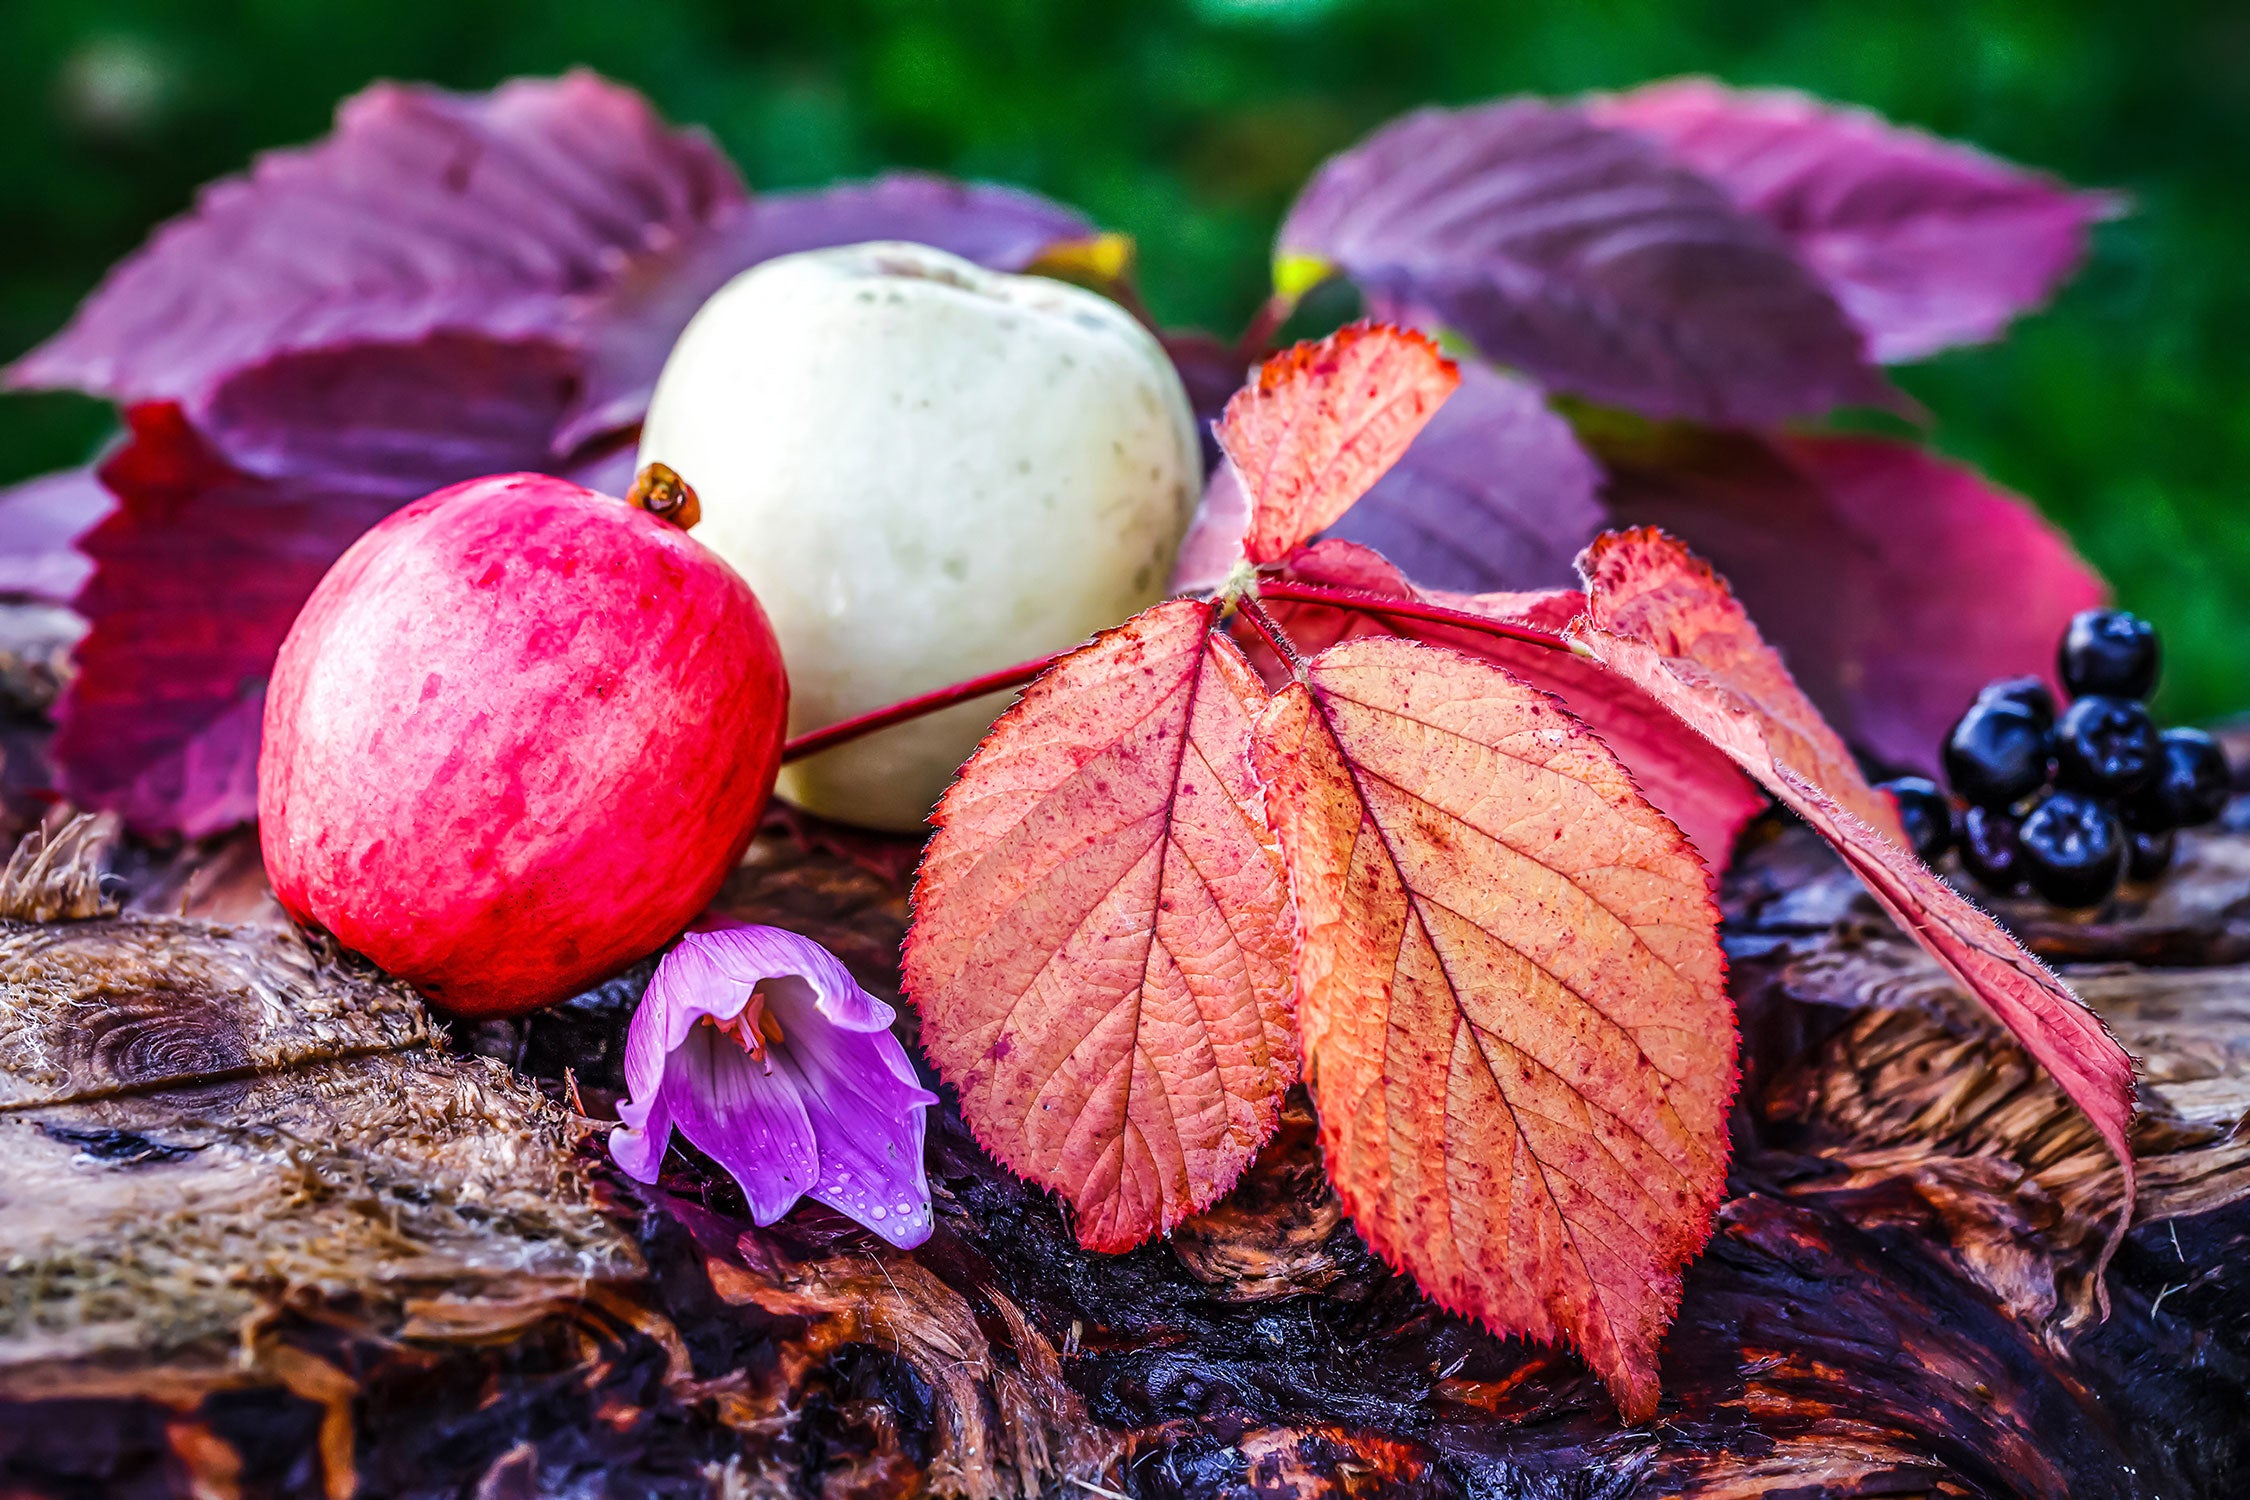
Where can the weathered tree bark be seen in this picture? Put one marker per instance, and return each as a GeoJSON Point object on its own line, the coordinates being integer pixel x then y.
{"type": "Point", "coordinates": [268, 1230]}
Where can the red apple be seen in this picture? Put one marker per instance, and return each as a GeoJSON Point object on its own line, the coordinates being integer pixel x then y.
{"type": "Point", "coordinates": [516, 740]}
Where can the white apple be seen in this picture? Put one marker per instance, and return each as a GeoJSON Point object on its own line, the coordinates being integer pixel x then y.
{"type": "Point", "coordinates": [926, 471]}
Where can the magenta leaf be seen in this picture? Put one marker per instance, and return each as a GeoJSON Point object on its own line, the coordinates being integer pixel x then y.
{"type": "Point", "coordinates": [760, 1048]}
{"type": "Point", "coordinates": [41, 521]}
{"type": "Point", "coordinates": [198, 574]}
{"type": "Point", "coordinates": [630, 329]}
{"type": "Point", "coordinates": [202, 568]}
{"type": "Point", "coordinates": [1925, 242]}
{"type": "Point", "coordinates": [1581, 256]}
{"type": "Point", "coordinates": [1896, 583]}
{"type": "Point", "coordinates": [1494, 494]}
{"type": "Point", "coordinates": [424, 211]}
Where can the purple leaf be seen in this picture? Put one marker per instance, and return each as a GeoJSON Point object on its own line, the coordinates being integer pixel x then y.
{"type": "Point", "coordinates": [1495, 494]}
{"type": "Point", "coordinates": [201, 570]}
{"type": "Point", "coordinates": [1925, 242]}
{"type": "Point", "coordinates": [425, 297]}
{"type": "Point", "coordinates": [1581, 256]}
{"type": "Point", "coordinates": [41, 521]}
{"type": "Point", "coordinates": [630, 330]}
{"type": "Point", "coordinates": [425, 211]}
{"type": "Point", "coordinates": [404, 418]}
{"type": "Point", "coordinates": [758, 1046]}
{"type": "Point", "coordinates": [1213, 544]}
{"type": "Point", "coordinates": [1894, 582]}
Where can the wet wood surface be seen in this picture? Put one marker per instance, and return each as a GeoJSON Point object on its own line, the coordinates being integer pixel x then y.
{"type": "Point", "coordinates": [270, 1228]}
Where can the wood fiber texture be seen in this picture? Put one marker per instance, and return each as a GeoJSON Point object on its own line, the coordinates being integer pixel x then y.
{"type": "Point", "coordinates": [381, 1294]}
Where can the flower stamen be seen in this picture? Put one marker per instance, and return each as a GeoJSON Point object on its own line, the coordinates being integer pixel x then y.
{"type": "Point", "coordinates": [752, 1029]}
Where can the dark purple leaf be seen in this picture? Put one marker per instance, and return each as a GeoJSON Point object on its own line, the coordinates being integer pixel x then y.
{"type": "Point", "coordinates": [425, 297]}
{"type": "Point", "coordinates": [1925, 242]}
{"type": "Point", "coordinates": [1894, 582]}
{"type": "Point", "coordinates": [1212, 370]}
{"type": "Point", "coordinates": [41, 521]}
{"type": "Point", "coordinates": [399, 418]}
{"type": "Point", "coordinates": [630, 329]}
{"type": "Point", "coordinates": [1495, 494]}
{"type": "Point", "coordinates": [1583, 257]}
{"type": "Point", "coordinates": [201, 570]}
{"type": "Point", "coordinates": [425, 211]}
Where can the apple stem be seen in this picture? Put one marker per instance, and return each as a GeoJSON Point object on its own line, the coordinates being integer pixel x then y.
{"type": "Point", "coordinates": [812, 742]}
{"type": "Point", "coordinates": [1409, 609]}
{"type": "Point", "coordinates": [665, 495]}
{"type": "Point", "coordinates": [1275, 636]}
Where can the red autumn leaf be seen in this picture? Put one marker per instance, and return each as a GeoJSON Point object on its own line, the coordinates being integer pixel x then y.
{"type": "Point", "coordinates": [1896, 629]}
{"type": "Point", "coordinates": [1643, 585]}
{"type": "Point", "coordinates": [1322, 422]}
{"type": "Point", "coordinates": [1510, 994]}
{"type": "Point", "coordinates": [1659, 617]}
{"type": "Point", "coordinates": [1688, 779]}
{"type": "Point", "coordinates": [1100, 944]}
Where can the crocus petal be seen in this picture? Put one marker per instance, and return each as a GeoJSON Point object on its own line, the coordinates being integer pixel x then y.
{"type": "Point", "coordinates": [832, 1109]}
{"type": "Point", "coordinates": [749, 1120]}
{"type": "Point", "coordinates": [742, 1113]}
{"type": "Point", "coordinates": [867, 1112]}
{"type": "Point", "coordinates": [750, 955]}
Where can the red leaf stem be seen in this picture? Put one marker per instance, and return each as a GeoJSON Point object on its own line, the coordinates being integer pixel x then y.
{"type": "Point", "coordinates": [1276, 639]}
{"type": "Point", "coordinates": [1409, 609]}
{"type": "Point", "coordinates": [812, 742]}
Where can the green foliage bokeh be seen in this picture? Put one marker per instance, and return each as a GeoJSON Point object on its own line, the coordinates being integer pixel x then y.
{"type": "Point", "coordinates": [2124, 411]}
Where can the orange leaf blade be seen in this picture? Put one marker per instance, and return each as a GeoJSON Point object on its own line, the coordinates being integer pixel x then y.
{"type": "Point", "coordinates": [1657, 616]}
{"type": "Point", "coordinates": [1106, 982]}
{"type": "Point", "coordinates": [1688, 779]}
{"type": "Point", "coordinates": [1510, 994]}
{"type": "Point", "coordinates": [1321, 424]}
{"type": "Point", "coordinates": [1645, 585]}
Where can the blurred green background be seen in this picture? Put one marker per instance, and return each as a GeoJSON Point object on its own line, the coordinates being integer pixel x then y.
{"type": "Point", "coordinates": [2124, 411]}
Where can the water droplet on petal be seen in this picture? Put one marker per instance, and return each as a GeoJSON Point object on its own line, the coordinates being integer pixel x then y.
{"type": "Point", "coordinates": [877, 1210]}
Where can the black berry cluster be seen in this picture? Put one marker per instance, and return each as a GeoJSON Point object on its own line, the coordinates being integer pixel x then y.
{"type": "Point", "coordinates": [2068, 804]}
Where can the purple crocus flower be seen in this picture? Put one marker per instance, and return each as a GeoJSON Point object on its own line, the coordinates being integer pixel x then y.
{"type": "Point", "coordinates": [757, 1045]}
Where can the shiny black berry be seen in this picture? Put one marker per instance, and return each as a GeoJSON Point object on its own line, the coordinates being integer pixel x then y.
{"type": "Point", "coordinates": [1926, 814]}
{"type": "Point", "coordinates": [2027, 692]}
{"type": "Point", "coordinates": [1990, 850]}
{"type": "Point", "coordinates": [2106, 747]}
{"type": "Point", "coordinates": [2148, 855]}
{"type": "Point", "coordinates": [1997, 754]}
{"type": "Point", "coordinates": [2189, 787]}
{"type": "Point", "coordinates": [2110, 652]}
{"type": "Point", "coordinates": [2073, 849]}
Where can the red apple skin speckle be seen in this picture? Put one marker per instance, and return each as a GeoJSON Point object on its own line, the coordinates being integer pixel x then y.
{"type": "Point", "coordinates": [517, 738]}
